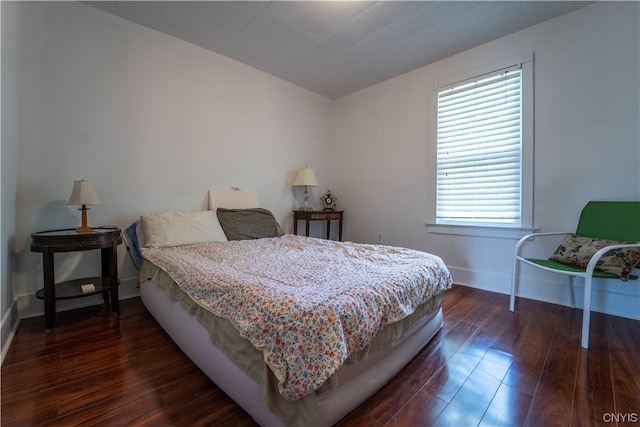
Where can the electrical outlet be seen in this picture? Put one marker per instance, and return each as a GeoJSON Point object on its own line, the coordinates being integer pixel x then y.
{"type": "Point", "coordinates": [379, 238]}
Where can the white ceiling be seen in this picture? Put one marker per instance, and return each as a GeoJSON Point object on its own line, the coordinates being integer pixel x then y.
{"type": "Point", "coordinates": [337, 47]}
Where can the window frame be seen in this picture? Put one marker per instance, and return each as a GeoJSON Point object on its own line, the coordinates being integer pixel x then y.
{"type": "Point", "coordinates": [526, 64]}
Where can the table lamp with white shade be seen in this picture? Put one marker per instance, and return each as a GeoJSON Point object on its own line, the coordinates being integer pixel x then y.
{"type": "Point", "coordinates": [306, 177]}
{"type": "Point", "coordinates": [83, 194]}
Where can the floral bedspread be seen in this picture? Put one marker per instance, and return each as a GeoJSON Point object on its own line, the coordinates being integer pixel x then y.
{"type": "Point", "coordinates": [306, 303]}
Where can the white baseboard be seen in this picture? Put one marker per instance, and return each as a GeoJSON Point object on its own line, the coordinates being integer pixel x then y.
{"type": "Point", "coordinates": [8, 328]}
{"type": "Point", "coordinates": [613, 297]}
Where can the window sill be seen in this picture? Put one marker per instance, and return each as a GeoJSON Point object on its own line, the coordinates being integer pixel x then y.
{"type": "Point", "coordinates": [514, 233]}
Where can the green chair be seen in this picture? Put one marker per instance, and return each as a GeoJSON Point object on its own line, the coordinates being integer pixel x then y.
{"type": "Point", "coordinates": [601, 220]}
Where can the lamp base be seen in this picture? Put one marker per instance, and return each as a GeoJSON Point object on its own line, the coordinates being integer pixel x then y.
{"type": "Point", "coordinates": [305, 207]}
{"type": "Point", "coordinates": [82, 229]}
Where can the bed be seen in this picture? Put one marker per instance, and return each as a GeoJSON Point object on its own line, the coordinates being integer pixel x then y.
{"type": "Point", "coordinates": [297, 330]}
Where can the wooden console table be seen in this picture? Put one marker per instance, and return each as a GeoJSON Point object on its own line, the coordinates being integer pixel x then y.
{"type": "Point", "coordinates": [309, 216]}
{"type": "Point", "coordinates": [106, 239]}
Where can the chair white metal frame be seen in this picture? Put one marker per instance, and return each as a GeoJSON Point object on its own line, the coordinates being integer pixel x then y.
{"type": "Point", "coordinates": [604, 220]}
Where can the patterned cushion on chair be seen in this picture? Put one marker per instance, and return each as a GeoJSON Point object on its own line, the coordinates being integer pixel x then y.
{"type": "Point", "coordinates": [577, 251]}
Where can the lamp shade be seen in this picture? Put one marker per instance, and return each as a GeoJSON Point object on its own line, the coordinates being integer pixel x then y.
{"type": "Point", "coordinates": [83, 194]}
{"type": "Point", "coordinates": [307, 177]}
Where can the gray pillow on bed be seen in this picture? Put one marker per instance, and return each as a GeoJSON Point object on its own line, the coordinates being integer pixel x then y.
{"type": "Point", "coordinates": [243, 224]}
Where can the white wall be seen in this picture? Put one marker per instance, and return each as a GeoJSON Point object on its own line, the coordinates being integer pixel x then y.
{"type": "Point", "coordinates": [153, 122]}
{"type": "Point", "coordinates": [587, 146]}
{"type": "Point", "coordinates": [10, 76]}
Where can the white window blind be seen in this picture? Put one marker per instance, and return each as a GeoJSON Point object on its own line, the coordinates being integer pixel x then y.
{"type": "Point", "coordinates": [479, 151]}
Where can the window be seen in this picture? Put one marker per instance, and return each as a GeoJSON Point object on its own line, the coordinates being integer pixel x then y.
{"type": "Point", "coordinates": [483, 151]}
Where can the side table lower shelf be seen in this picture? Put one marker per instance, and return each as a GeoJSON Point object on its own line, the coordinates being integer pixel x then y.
{"type": "Point", "coordinates": [73, 288]}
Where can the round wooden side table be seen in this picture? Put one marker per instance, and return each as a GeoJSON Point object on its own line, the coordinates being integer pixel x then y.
{"type": "Point", "coordinates": [49, 242]}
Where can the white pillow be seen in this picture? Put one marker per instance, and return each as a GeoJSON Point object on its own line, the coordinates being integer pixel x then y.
{"type": "Point", "coordinates": [156, 230]}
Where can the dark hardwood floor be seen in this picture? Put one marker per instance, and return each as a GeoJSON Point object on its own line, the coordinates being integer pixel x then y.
{"type": "Point", "coordinates": [487, 367]}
